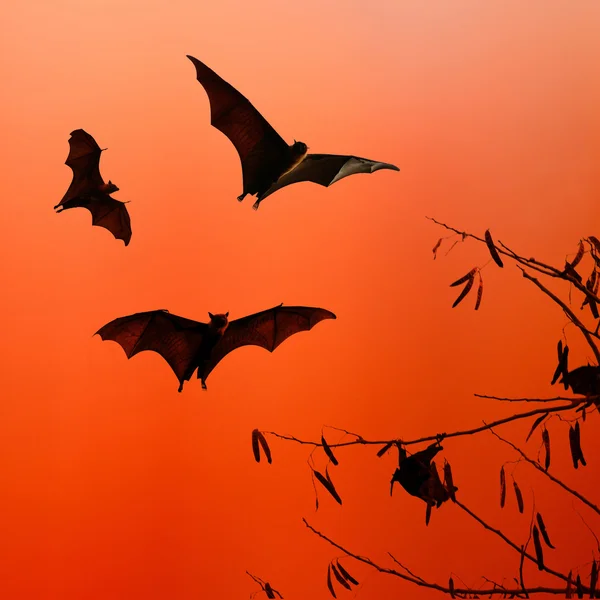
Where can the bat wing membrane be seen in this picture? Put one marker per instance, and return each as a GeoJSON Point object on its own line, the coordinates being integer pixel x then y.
{"type": "Point", "coordinates": [84, 160]}
{"type": "Point", "coordinates": [175, 338]}
{"type": "Point", "coordinates": [255, 140]}
{"type": "Point", "coordinates": [326, 169]}
{"type": "Point", "coordinates": [267, 329]}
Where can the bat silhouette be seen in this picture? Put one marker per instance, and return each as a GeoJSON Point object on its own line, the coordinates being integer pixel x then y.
{"type": "Point", "coordinates": [188, 345]}
{"type": "Point", "coordinates": [268, 162]}
{"type": "Point", "coordinates": [583, 380]}
{"type": "Point", "coordinates": [88, 190]}
{"type": "Point", "coordinates": [419, 476]}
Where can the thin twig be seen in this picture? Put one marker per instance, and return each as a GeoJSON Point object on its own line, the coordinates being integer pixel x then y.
{"type": "Point", "coordinates": [429, 438]}
{"type": "Point", "coordinates": [434, 586]}
{"type": "Point", "coordinates": [541, 469]}
{"type": "Point", "coordinates": [567, 311]}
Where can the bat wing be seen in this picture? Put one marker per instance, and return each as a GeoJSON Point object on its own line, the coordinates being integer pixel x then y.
{"type": "Point", "coordinates": [84, 160]}
{"type": "Point", "coordinates": [255, 140]}
{"type": "Point", "coordinates": [106, 212]}
{"type": "Point", "coordinates": [267, 329]}
{"type": "Point", "coordinates": [326, 169]}
{"type": "Point", "coordinates": [176, 339]}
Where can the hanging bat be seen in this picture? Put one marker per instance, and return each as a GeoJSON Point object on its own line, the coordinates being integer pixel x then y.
{"type": "Point", "coordinates": [268, 162]}
{"type": "Point", "coordinates": [88, 190]}
{"type": "Point", "coordinates": [419, 476]}
{"type": "Point", "coordinates": [188, 345]}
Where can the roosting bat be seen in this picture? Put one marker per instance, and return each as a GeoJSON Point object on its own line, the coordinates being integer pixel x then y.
{"type": "Point", "coordinates": [88, 190]}
{"type": "Point", "coordinates": [189, 345]}
{"type": "Point", "coordinates": [268, 163]}
{"type": "Point", "coordinates": [419, 476]}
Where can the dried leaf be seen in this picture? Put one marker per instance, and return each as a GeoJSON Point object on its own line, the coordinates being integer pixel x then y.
{"type": "Point", "coordinates": [579, 587]}
{"type": "Point", "coordinates": [575, 445]}
{"type": "Point", "coordinates": [328, 451]}
{"type": "Point", "coordinates": [383, 450]}
{"type": "Point", "coordinates": [479, 292]}
{"type": "Point", "coordinates": [569, 590]}
{"type": "Point", "coordinates": [345, 574]}
{"type": "Point", "coordinates": [543, 530]}
{"type": "Point", "coordinates": [467, 277]}
{"type": "Point", "coordinates": [593, 579]}
{"type": "Point", "coordinates": [339, 577]}
{"type": "Point", "coordinates": [255, 448]}
{"type": "Point", "coordinates": [269, 591]}
{"type": "Point", "coordinates": [546, 440]}
{"type": "Point", "coordinates": [493, 252]}
{"type": "Point", "coordinates": [449, 481]}
{"type": "Point", "coordinates": [264, 445]}
{"type": "Point", "coordinates": [518, 495]}
{"type": "Point", "coordinates": [328, 485]}
{"type": "Point", "coordinates": [579, 255]}
{"type": "Point", "coordinates": [329, 584]}
{"type": "Point", "coordinates": [535, 425]}
{"type": "Point", "coordinates": [435, 248]}
{"type": "Point", "coordinates": [427, 514]}
{"type": "Point", "coordinates": [539, 553]}
{"type": "Point", "coordinates": [465, 291]}
{"type": "Point", "coordinates": [502, 487]}
{"type": "Point", "coordinates": [451, 587]}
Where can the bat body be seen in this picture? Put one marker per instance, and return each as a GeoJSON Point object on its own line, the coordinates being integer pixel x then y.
{"type": "Point", "coordinates": [419, 476]}
{"type": "Point", "coordinates": [88, 190]}
{"type": "Point", "coordinates": [583, 380]}
{"type": "Point", "coordinates": [189, 345]}
{"type": "Point", "coordinates": [268, 162]}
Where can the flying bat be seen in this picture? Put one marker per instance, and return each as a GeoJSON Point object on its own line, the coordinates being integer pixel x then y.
{"type": "Point", "coordinates": [268, 162]}
{"type": "Point", "coordinates": [88, 190]}
{"type": "Point", "coordinates": [188, 345]}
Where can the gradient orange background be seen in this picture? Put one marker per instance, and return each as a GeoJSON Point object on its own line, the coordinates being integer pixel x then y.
{"type": "Point", "coordinates": [113, 486]}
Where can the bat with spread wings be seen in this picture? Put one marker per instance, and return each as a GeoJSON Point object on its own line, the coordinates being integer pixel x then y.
{"type": "Point", "coordinates": [268, 162]}
{"type": "Point", "coordinates": [88, 190]}
{"type": "Point", "coordinates": [188, 345]}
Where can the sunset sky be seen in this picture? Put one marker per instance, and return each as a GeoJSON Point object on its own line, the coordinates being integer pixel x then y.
{"type": "Point", "coordinates": [115, 487]}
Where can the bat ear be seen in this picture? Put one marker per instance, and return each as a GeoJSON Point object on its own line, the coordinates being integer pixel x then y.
{"type": "Point", "coordinates": [227, 314]}
{"type": "Point", "coordinates": [211, 315]}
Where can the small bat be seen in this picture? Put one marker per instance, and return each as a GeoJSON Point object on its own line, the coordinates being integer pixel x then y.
{"type": "Point", "coordinates": [88, 190]}
{"type": "Point", "coordinates": [268, 162]}
{"type": "Point", "coordinates": [188, 345]}
{"type": "Point", "coordinates": [419, 476]}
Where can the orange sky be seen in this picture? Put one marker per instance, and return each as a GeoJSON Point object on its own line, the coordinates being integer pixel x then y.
{"type": "Point", "coordinates": [114, 486]}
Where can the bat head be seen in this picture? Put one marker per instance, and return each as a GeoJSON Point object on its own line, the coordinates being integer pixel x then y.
{"type": "Point", "coordinates": [108, 188]}
{"type": "Point", "coordinates": [219, 322]}
{"type": "Point", "coordinates": [299, 149]}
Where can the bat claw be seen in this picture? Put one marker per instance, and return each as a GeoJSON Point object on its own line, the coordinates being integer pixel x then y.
{"type": "Point", "coordinates": [241, 197]}
{"type": "Point", "coordinates": [204, 385]}
{"type": "Point", "coordinates": [256, 205]}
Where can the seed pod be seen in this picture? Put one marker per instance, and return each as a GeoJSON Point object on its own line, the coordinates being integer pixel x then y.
{"type": "Point", "coordinates": [518, 495]}
{"type": "Point", "coordinates": [502, 487]}
{"type": "Point", "coordinates": [339, 577]}
{"type": "Point", "coordinates": [569, 590]}
{"type": "Point", "coordinates": [329, 583]}
{"type": "Point", "coordinates": [465, 291]}
{"type": "Point", "coordinates": [546, 440]}
{"type": "Point", "coordinates": [328, 451]}
{"type": "Point", "coordinates": [535, 425]}
{"type": "Point", "coordinates": [328, 485]}
{"type": "Point", "coordinates": [435, 248]}
{"type": "Point", "coordinates": [345, 574]}
{"type": "Point", "coordinates": [255, 448]}
{"type": "Point", "coordinates": [464, 278]}
{"type": "Point", "coordinates": [539, 553]}
{"type": "Point", "coordinates": [579, 255]}
{"type": "Point", "coordinates": [493, 252]}
{"type": "Point", "coordinates": [543, 530]}
{"type": "Point", "coordinates": [451, 588]}
{"type": "Point", "coordinates": [383, 450]}
{"type": "Point", "coordinates": [479, 292]}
